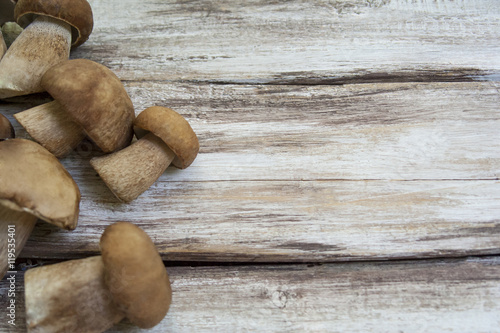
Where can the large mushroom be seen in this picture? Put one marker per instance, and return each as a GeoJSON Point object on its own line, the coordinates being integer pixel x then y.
{"type": "Point", "coordinates": [89, 101]}
{"type": "Point", "coordinates": [33, 185]}
{"type": "Point", "coordinates": [52, 27]}
{"type": "Point", "coordinates": [6, 129]}
{"type": "Point", "coordinates": [90, 295]}
{"type": "Point", "coordinates": [166, 138]}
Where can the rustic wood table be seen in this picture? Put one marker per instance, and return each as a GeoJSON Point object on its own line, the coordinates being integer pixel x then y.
{"type": "Point", "coordinates": [348, 176]}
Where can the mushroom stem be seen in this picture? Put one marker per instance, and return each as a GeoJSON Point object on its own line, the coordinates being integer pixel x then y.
{"type": "Point", "coordinates": [69, 297]}
{"type": "Point", "coordinates": [15, 228]}
{"type": "Point", "coordinates": [49, 125]}
{"type": "Point", "coordinates": [6, 129]}
{"type": "Point", "coordinates": [131, 171]}
{"type": "Point", "coordinates": [3, 46]}
{"type": "Point", "coordinates": [43, 44]}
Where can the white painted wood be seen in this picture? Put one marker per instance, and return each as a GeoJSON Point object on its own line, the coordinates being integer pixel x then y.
{"type": "Point", "coordinates": [287, 221]}
{"type": "Point", "coordinates": [289, 41]}
{"type": "Point", "coordinates": [423, 296]}
{"type": "Point", "coordinates": [309, 173]}
{"type": "Point", "coordinates": [360, 131]}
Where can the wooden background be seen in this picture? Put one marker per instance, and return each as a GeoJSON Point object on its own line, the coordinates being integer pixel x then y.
{"type": "Point", "coordinates": [348, 175]}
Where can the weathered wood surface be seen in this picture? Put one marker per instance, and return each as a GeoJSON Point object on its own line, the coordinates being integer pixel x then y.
{"type": "Point", "coordinates": [320, 41]}
{"type": "Point", "coordinates": [329, 131]}
{"type": "Point", "coordinates": [310, 173]}
{"type": "Point", "coordinates": [424, 296]}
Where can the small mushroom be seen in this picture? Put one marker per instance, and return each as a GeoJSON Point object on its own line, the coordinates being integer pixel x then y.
{"type": "Point", "coordinates": [6, 129]}
{"type": "Point", "coordinates": [89, 100]}
{"type": "Point", "coordinates": [33, 185]}
{"type": "Point", "coordinates": [91, 295]}
{"type": "Point", "coordinates": [131, 171]}
{"type": "Point", "coordinates": [52, 27]}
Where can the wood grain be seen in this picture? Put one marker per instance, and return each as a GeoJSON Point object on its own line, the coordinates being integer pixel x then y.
{"type": "Point", "coordinates": [411, 296]}
{"type": "Point", "coordinates": [397, 131]}
{"type": "Point", "coordinates": [309, 173]}
{"type": "Point", "coordinates": [296, 41]}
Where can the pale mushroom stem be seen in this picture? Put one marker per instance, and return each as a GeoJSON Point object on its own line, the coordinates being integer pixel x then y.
{"type": "Point", "coordinates": [3, 46]}
{"type": "Point", "coordinates": [15, 229]}
{"type": "Point", "coordinates": [69, 297]}
{"type": "Point", "coordinates": [131, 171]}
{"type": "Point", "coordinates": [43, 44]}
{"type": "Point", "coordinates": [49, 125]}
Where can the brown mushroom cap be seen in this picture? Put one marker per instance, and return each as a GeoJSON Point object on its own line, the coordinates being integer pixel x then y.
{"type": "Point", "coordinates": [6, 11]}
{"type": "Point", "coordinates": [77, 13]}
{"type": "Point", "coordinates": [135, 274]}
{"type": "Point", "coordinates": [34, 181]}
{"type": "Point", "coordinates": [6, 129]}
{"type": "Point", "coordinates": [94, 98]}
{"type": "Point", "coordinates": [174, 130]}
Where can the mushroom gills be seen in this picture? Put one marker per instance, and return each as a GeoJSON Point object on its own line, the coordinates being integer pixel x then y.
{"type": "Point", "coordinates": [131, 171]}
{"type": "Point", "coordinates": [49, 125]}
{"type": "Point", "coordinates": [43, 44]}
{"type": "Point", "coordinates": [69, 297]}
{"type": "Point", "coordinates": [15, 229]}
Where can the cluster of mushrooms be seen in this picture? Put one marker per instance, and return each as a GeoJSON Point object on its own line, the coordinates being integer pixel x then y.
{"type": "Point", "coordinates": [129, 279]}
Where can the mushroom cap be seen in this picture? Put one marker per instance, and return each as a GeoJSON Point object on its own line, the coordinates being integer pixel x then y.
{"type": "Point", "coordinates": [135, 274]}
{"type": "Point", "coordinates": [94, 98]}
{"type": "Point", "coordinates": [6, 129]}
{"type": "Point", "coordinates": [7, 11]}
{"type": "Point", "coordinates": [174, 130]}
{"type": "Point", "coordinates": [77, 13]}
{"type": "Point", "coordinates": [34, 181]}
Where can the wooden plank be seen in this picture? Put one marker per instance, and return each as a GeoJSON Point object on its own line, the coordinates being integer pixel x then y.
{"type": "Point", "coordinates": [309, 173]}
{"type": "Point", "coordinates": [291, 221]}
{"type": "Point", "coordinates": [361, 131]}
{"type": "Point", "coordinates": [296, 41]}
{"type": "Point", "coordinates": [420, 296]}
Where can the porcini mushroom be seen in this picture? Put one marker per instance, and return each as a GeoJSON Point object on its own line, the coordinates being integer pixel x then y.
{"type": "Point", "coordinates": [90, 295]}
{"type": "Point", "coordinates": [6, 129]}
{"type": "Point", "coordinates": [33, 185]}
{"type": "Point", "coordinates": [131, 171]}
{"type": "Point", "coordinates": [89, 100]}
{"type": "Point", "coordinates": [52, 27]}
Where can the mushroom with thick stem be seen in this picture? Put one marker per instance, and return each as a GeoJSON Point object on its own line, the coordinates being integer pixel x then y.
{"type": "Point", "coordinates": [33, 185]}
{"type": "Point", "coordinates": [89, 100]}
{"type": "Point", "coordinates": [90, 295]}
{"type": "Point", "coordinates": [131, 171]}
{"type": "Point", "coordinates": [52, 27]}
{"type": "Point", "coordinates": [6, 129]}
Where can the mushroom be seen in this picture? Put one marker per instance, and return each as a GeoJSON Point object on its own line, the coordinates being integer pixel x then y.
{"type": "Point", "coordinates": [131, 171]}
{"type": "Point", "coordinates": [6, 129]}
{"type": "Point", "coordinates": [10, 31]}
{"type": "Point", "coordinates": [89, 100]}
{"type": "Point", "coordinates": [52, 27]}
{"type": "Point", "coordinates": [90, 295]}
{"type": "Point", "coordinates": [33, 185]}
{"type": "Point", "coordinates": [7, 11]}
{"type": "Point", "coordinates": [3, 46]}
